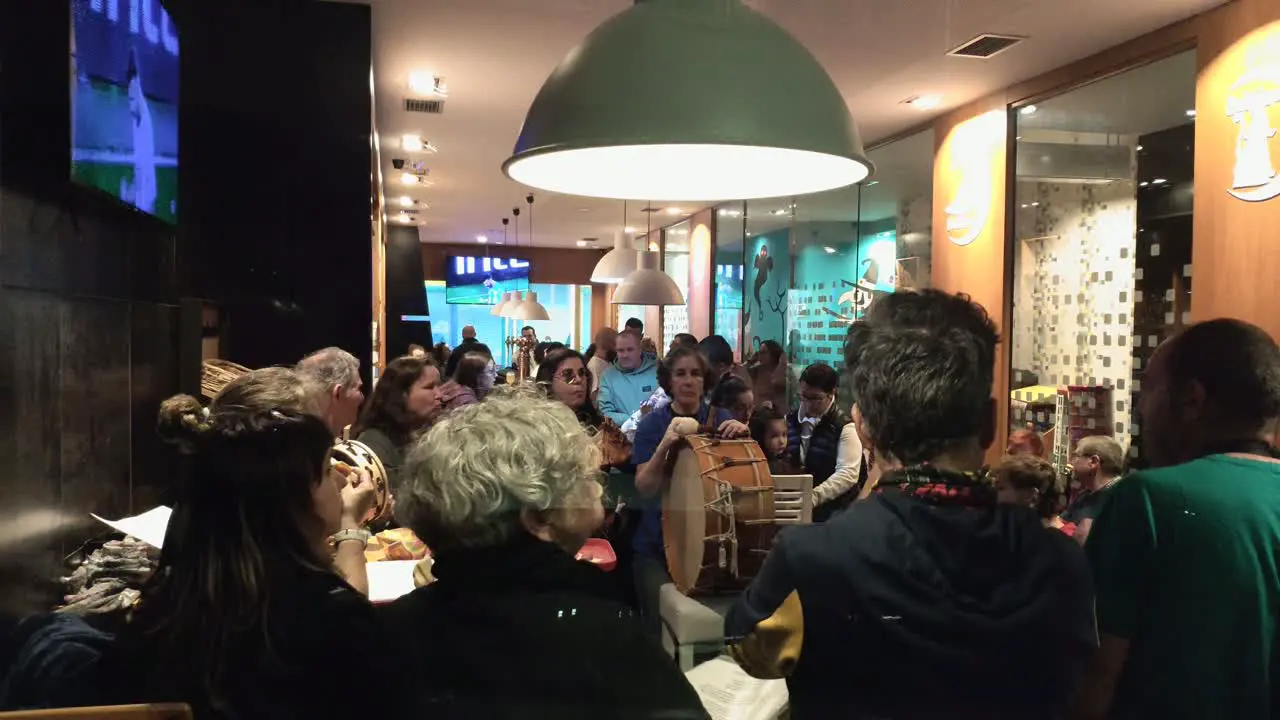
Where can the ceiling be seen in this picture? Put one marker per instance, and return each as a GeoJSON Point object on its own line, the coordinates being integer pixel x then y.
{"type": "Point", "coordinates": [495, 54]}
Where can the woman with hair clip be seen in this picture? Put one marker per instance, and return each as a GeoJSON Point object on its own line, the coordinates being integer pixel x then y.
{"type": "Point", "coordinates": [682, 375]}
{"type": "Point", "coordinates": [403, 403]}
{"type": "Point", "coordinates": [1030, 480]}
{"type": "Point", "coordinates": [563, 376]}
{"type": "Point", "coordinates": [246, 615]}
{"type": "Point", "coordinates": [472, 379]}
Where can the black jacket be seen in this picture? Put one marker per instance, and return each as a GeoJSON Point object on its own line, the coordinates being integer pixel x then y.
{"type": "Point", "coordinates": [525, 631]}
{"type": "Point", "coordinates": [899, 609]}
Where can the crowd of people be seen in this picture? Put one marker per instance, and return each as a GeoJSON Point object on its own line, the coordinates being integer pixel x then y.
{"type": "Point", "coordinates": [930, 584]}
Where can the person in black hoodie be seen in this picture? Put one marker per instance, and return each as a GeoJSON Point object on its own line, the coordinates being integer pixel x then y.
{"type": "Point", "coordinates": [505, 493]}
{"type": "Point", "coordinates": [927, 599]}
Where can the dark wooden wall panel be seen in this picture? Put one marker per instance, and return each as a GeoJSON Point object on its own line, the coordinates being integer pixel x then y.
{"type": "Point", "coordinates": [30, 425]}
{"type": "Point", "coordinates": [153, 376]}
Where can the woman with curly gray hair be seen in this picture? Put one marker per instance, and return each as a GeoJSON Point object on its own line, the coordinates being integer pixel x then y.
{"type": "Point", "coordinates": [505, 492]}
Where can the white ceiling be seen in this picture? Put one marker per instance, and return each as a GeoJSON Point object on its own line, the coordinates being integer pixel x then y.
{"type": "Point", "coordinates": [495, 54]}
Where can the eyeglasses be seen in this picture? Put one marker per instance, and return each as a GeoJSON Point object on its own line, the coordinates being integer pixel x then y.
{"type": "Point", "coordinates": [572, 377]}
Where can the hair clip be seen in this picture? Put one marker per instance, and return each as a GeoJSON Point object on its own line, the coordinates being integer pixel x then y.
{"type": "Point", "coordinates": [204, 413]}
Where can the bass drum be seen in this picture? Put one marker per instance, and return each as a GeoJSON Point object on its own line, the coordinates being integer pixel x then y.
{"type": "Point", "coordinates": [718, 519]}
{"type": "Point", "coordinates": [358, 455]}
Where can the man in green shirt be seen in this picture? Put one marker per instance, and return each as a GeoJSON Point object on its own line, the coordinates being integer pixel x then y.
{"type": "Point", "coordinates": [1186, 555]}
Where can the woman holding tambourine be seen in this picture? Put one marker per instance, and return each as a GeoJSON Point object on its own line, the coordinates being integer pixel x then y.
{"type": "Point", "coordinates": [682, 376]}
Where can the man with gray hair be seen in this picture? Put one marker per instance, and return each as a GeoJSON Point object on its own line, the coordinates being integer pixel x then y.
{"type": "Point", "coordinates": [337, 373]}
{"type": "Point", "coordinates": [1096, 463]}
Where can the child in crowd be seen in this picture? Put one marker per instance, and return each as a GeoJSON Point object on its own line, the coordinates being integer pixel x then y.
{"type": "Point", "coordinates": [769, 430]}
{"type": "Point", "coordinates": [1026, 479]}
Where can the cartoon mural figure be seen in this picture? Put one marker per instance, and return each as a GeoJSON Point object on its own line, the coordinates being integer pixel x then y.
{"type": "Point", "coordinates": [763, 264]}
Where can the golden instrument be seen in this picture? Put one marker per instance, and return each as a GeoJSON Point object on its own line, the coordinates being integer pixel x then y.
{"type": "Point", "coordinates": [356, 455]}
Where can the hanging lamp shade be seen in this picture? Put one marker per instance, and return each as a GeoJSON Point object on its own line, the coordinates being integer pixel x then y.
{"type": "Point", "coordinates": [509, 308]}
{"type": "Point", "coordinates": [616, 264]}
{"type": "Point", "coordinates": [502, 305]}
{"type": "Point", "coordinates": [648, 285]}
{"type": "Point", "coordinates": [739, 106]}
{"type": "Point", "coordinates": [530, 309]}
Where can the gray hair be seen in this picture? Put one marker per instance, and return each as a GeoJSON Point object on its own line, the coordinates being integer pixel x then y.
{"type": "Point", "coordinates": [329, 367]}
{"type": "Point", "coordinates": [1108, 451]}
{"type": "Point", "coordinates": [466, 482]}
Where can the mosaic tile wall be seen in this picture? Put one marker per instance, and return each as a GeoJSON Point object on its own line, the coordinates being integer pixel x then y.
{"type": "Point", "coordinates": [1074, 290]}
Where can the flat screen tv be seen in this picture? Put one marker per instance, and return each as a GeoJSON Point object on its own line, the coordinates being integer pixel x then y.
{"type": "Point", "coordinates": [482, 280]}
{"type": "Point", "coordinates": [124, 102]}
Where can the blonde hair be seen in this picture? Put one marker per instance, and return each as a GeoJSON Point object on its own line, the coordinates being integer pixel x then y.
{"type": "Point", "coordinates": [466, 482]}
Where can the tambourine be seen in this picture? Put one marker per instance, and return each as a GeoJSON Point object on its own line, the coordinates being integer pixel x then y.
{"type": "Point", "coordinates": [358, 455]}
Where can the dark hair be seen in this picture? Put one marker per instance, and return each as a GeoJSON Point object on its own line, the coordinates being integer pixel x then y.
{"type": "Point", "coordinates": [528, 327]}
{"type": "Point", "coordinates": [684, 340]}
{"type": "Point", "coordinates": [759, 422]}
{"type": "Point", "coordinates": [717, 350]}
{"type": "Point", "coordinates": [1238, 365]}
{"type": "Point", "coordinates": [822, 376]}
{"type": "Point", "coordinates": [923, 389]}
{"type": "Point", "coordinates": [385, 409]}
{"type": "Point", "coordinates": [635, 324]}
{"type": "Point", "coordinates": [243, 522]}
{"type": "Point", "coordinates": [1031, 472]}
{"type": "Point", "coordinates": [587, 414]}
{"type": "Point", "coordinates": [726, 394]}
{"type": "Point", "coordinates": [440, 353]}
{"type": "Point", "coordinates": [925, 309]}
{"type": "Point", "coordinates": [541, 350]}
{"type": "Point", "coordinates": [770, 347]}
{"type": "Point", "coordinates": [666, 368]}
{"type": "Point", "coordinates": [471, 365]}
{"type": "Point", "coordinates": [455, 357]}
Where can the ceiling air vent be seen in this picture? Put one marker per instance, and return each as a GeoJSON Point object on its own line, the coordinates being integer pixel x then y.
{"type": "Point", "coordinates": [433, 107]}
{"type": "Point", "coordinates": [985, 46]}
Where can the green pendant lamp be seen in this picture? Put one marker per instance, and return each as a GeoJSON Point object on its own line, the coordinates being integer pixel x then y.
{"type": "Point", "coordinates": [689, 100]}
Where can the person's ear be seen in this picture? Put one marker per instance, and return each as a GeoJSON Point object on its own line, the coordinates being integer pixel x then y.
{"type": "Point", "coordinates": [987, 433]}
{"type": "Point", "coordinates": [536, 525]}
{"type": "Point", "coordinates": [860, 426]}
{"type": "Point", "coordinates": [335, 392]}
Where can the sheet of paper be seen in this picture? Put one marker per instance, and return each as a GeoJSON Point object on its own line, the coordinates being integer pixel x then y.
{"type": "Point", "coordinates": [729, 693]}
{"type": "Point", "coordinates": [149, 527]}
{"type": "Point", "coordinates": [389, 579]}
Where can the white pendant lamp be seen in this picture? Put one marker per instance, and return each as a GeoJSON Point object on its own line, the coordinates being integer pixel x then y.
{"type": "Point", "coordinates": [501, 307]}
{"type": "Point", "coordinates": [743, 109]}
{"type": "Point", "coordinates": [618, 262]}
{"type": "Point", "coordinates": [530, 308]}
{"type": "Point", "coordinates": [648, 285]}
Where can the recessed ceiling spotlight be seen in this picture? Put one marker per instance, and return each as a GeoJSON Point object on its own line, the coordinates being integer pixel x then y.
{"type": "Point", "coordinates": [412, 142]}
{"type": "Point", "coordinates": [482, 239]}
{"type": "Point", "coordinates": [582, 243]}
{"type": "Point", "coordinates": [406, 201]}
{"type": "Point", "coordinates": [673, 211]}
{"type": "Point", "coordinates": [923, 102]}
{"type": "Point", "coordinates": [584, 210]}
{"type": "Point", "coordinates": [726, 212]}
{"type": "Point", "coordinates": [1139, 148]}
{"type": "Point", "coordinates": [427, 84]}
{"type": "Point", "coordinates": [404, 218]}
{"type": "Point", "coordinates": [830, 250]}
{"type": "Point", "coordinates": [780, 211]}
{"type": "Point", "coordinates": [408, 178]}
{"type": "Point", "coordinates": [1144, 183]}
{"type": "Point", "coordinates": [1159, 181]}
{"type": "Point", "coordinates": [1028, 109]}
{"type": "Point", "coordinates": [1191, 113]}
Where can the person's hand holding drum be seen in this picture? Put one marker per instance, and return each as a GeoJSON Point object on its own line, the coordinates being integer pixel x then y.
{"type": "Point", "coordinates": [731, 429]}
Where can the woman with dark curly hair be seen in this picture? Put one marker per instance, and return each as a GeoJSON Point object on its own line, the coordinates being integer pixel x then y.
{"type": "Point", "coordinates": [402, 404]}
{"type": "Point", "coordinates": [1027, 479]}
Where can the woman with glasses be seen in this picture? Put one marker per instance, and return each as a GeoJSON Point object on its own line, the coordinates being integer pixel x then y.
{"type": "Point", "coordinates": [564, 376]}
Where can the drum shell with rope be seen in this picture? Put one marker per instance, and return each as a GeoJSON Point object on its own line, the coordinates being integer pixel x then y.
{"type": "Point", "coordinates": [359, 456]}
{"type": "Point", "coordinates": [717, 515]}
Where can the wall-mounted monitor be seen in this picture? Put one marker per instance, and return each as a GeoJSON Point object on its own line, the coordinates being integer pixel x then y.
{"type": "Point", "coordinates": [482, 280]}
{"type": "Point", "coordinates": [124, 102]}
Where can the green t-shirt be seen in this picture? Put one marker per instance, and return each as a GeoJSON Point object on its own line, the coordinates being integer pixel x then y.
{"type": "Point", "coordinates": [1186, 561]}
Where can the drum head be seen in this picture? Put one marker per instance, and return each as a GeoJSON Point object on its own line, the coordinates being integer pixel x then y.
{"type": "Point", "coordinates": [684, 521]}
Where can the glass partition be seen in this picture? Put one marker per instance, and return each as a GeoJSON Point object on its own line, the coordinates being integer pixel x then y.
{"type": "Point", "coordinates": [675, 263]}
{"type": "Point", "coordinates": [568, 305]}
{"type": "Point", "coordinates": [729, 275]}
{"type": "Point", "coordinates": [1102, 248]}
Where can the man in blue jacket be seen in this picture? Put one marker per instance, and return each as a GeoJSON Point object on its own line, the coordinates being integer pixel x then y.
{"type": "Point", "coordinates": [629, 382]}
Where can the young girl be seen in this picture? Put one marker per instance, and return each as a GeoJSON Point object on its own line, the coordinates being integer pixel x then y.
{"type": "Point", "coordinates": [769, 430]}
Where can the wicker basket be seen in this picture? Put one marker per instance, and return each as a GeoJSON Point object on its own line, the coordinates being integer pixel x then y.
{"type": "Point", "coordinates": [217, 374]}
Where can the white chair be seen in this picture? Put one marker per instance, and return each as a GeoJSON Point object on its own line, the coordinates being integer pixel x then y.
{"type": "Point", "coordinates": [693, 624]}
